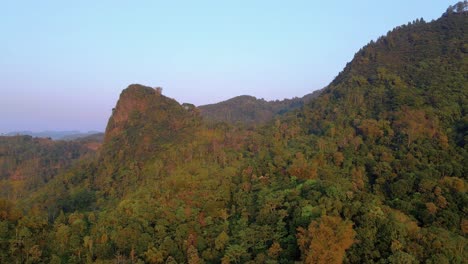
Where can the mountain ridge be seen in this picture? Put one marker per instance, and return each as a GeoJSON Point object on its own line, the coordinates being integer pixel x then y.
{"type": "Point", "coordinates": [55, 135]}
{"type": "Point", "coordinates": [249, 110]}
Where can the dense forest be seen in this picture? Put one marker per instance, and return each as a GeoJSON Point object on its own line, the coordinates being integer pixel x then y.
{"type": "Point", "coordinates": [372, 170]}
{"type": "Point", "coordinates": [26, 163]}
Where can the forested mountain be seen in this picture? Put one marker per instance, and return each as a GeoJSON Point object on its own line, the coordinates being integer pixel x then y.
{"type": "Point", "coordinates": [373, 170]}
{"type": "Point", "coordinates": [249, 110]}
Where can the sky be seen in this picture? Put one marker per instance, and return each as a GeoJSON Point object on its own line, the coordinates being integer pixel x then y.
{"type": "Point", "coordinates": [63, 64]}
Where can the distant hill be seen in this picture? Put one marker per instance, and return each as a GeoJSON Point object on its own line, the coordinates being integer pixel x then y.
{"type": "Point", "coordinates": [55, 135]}
{"type": "Point", "coordinates": [249, 110]}
{"type": "Point", "coordinates": [91, 135]}
{"type": "Point", "coordinates": [95, 137]}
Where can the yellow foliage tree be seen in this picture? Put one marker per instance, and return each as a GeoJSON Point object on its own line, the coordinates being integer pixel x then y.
{"type": "Point", "coordinates": [325, 240]}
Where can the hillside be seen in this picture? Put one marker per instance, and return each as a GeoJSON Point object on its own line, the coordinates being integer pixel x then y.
{"type": "Point", "coordinates": [391, 129]}
{"type": "Point", "coordinates": [250, 111]}
{"type": "Point", "coordinates": [373, 170]}
{"type": "Point", "coordinates": [26, 163]}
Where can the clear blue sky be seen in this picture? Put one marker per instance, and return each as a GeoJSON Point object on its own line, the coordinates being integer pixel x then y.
{"type": "Point", "coordinates": [63, 64]}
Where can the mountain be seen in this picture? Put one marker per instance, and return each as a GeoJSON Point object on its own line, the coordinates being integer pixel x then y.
{"type": "Point", "coordinates": [373, 170]}
{"type": "Point", "coordinates": [391, 128]}
{"type": "Point", "coordinates": [144, 122]}
{"type": "Point", "coordinates": [250, 110]}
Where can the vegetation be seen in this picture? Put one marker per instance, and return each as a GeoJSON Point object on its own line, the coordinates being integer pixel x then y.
{"type": "Point", "coordinates": [250, 111]}
{"type": "Point", "coordinates": [371, 171]}
{"type": "Point", "coordinates": [26, 163]}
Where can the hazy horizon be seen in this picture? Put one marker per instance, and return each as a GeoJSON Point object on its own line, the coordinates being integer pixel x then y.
{"type": "Point", "coordinates": [64, 64]}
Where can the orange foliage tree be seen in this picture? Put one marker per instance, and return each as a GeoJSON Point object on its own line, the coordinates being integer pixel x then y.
{"type": "Point", "coordinates": [325, 240]}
